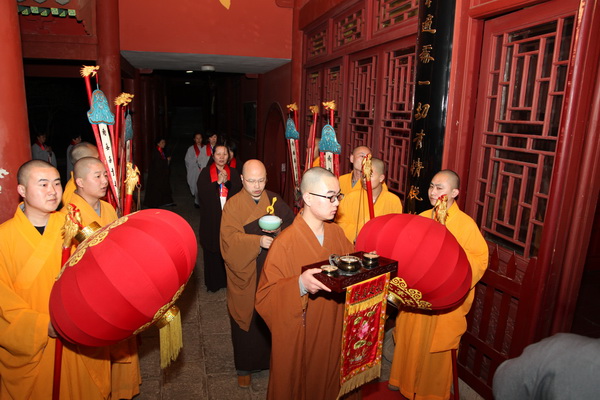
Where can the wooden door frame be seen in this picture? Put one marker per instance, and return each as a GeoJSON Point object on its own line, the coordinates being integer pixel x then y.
{"type": "Point", "coordinates": [576, 179]}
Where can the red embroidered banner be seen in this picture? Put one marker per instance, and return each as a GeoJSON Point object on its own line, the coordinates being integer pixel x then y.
{"type": "Point", "coordinates": [362, 334]}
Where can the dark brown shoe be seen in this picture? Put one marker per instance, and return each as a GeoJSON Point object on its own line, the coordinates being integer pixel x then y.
{"type": "Point", "coordinates": [244, 380]}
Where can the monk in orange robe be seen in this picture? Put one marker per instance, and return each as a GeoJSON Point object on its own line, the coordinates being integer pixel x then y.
{"type": "Point", "coordinates": [353, 212]}
{"type": "Point", "coordinates": [30, 260]}
{"type": "Point", "coordinates": [245, 246]}
{"type": "Point", "coordinates": [79, 151]}
{"type": "Point", "coordinates": [91, 179]}
{"type": "Point", "coordinates": [422, 367]}
{"type": "Point", "coordinates": [351, 180]}
{"type": "Point", "coordinates": [304, 317]}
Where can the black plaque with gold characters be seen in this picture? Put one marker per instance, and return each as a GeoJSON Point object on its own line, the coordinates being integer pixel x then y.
{"type": "Point", "coordinates": [432, 78]}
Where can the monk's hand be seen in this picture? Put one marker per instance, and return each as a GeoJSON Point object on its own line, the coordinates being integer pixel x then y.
{"type": "Point", "coordinates": [51, 332]}
{"type": "Point", "coordinates": [312, 284]}
{"type": "Point", "coordinates": [265, 241]}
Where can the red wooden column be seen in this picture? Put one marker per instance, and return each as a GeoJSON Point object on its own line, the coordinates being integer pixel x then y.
{"type": "Point", "coordinates": [109, 56]}
{"type": "Point", "coordinates": [14, 129]}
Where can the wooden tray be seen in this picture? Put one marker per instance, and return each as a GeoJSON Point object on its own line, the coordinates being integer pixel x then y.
{"type": "Point", "coordinates": [339, 282]}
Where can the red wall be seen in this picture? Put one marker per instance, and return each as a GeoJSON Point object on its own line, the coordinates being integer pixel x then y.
{"type": "Point", "coordinates": [257, 28]}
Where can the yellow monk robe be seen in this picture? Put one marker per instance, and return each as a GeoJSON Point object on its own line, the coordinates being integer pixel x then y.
{"type": "Point", "coordinates": [306, 330]}
{"type": "Point", "coordinates": [422, 360]}
{"type": "Point", "coordinates": [29, 265]}
{"type": "Point", "coordinates": [353, 211]}
{"type": "Point", "coordinates": [125, 365]}
{"type": "Point", "coordinates": [89, 215]}
{"type": "Point", "coordinates": [346, 184]}
{"type": "Point", "coordinates": [70, 188]}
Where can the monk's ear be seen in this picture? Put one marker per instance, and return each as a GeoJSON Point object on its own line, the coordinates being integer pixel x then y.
{"type": "Point", "coordinates": [454, 193]}
{"type": "Point", "coordinates": [21, 190]}
{"type": "Point", "coordinates": [381, 178]}
{"type": "Point", "coordinates": [79, 182]}
{"type": "Point", "coordinates": [307, 199]}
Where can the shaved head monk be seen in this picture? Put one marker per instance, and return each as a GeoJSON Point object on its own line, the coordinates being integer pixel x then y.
{"type": "Point", "coordinates": [30, 261]}
{"type": "Point", "coordinates": [422, 364]}
{"type": "Point", "coordinates": [245, 246]}
{"type": "Point", "coordinates": [304, 317]}
{"type": "Point", "coordinates": [353, 212]}
{"type": "Point", "coordinates": [350, 181]}
{"type": "Point", "coordinates": [91, 179]}
{"type": "Point", "coordinates": [79, 151]}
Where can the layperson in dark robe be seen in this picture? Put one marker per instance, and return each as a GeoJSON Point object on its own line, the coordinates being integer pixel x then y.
{"type": "Point", "coordinates": [158, 183]}
{"type": "Point", "coordinates": [244, 246]}
{"type": "Point", "coordinates": [216, 184]}
{"type": "Point", "coordinates": [304, 316]}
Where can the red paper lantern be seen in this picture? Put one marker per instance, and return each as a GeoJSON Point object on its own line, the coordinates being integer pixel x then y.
{"type": "Point", "coordinates": [123, 278]}
{"type": "Point", "coordinates": [433, 270]}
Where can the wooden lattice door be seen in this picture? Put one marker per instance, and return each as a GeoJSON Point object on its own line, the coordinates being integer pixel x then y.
{"type": "Point", "coordinates": [522, 89]}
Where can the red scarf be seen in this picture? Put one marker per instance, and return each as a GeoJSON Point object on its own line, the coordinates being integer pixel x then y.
{"type": "Point", "coordinates": [40, 144]}
{"type": "Point", "coordinates": [162, 153]}
{"type": "Point", "coordinates": [196, 149]}
{"type": "Point", "coordinates": [233, 163]}
{"type": "Point", "coordinates": [208, 150]}
{"type": "Point", "coordinates": [214, 176]}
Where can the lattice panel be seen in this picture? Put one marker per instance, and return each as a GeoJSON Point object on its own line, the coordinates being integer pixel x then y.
{"type": "Point", "coordinates": [362, 102]}
{"type": "Point", "coordinates": [525, 93]}
{"type": "Point", "coordinates": [390, 13]}
{"type": "Point", "coordinates": [332, 91]}
{"type": "Point", "coordinates": [397, 98]}
{"type": "Point", "coordinates": [317, 43]}
{"type": "Point", "coordinates": [349, 28]}
{"type": "Point", "coordinates": [313, 97]}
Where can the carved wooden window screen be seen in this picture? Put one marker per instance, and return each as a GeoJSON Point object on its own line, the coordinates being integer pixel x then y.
{"type": "Point", "coordinates": [361, 98]}
{"type": "Point", "coordinates": [349, 28]}
{"type": "Point", "coordinates": [395, 123]}
{"type": "Point", "coordinates": [312, 97]}
{"type": "Point", "coordinates": [525, 93]}
{"type": "Point", "coordinates": [390, 13]}
{"type": "Point", "coordinates": [332, 91]}
{"type": "Point", "coordinates": [317, 43]}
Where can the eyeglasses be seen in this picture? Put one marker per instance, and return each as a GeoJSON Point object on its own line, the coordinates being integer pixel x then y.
{"type": "Point", "coordinates": [255, 181]}
{"type": "Point", "coordinates": [331, 198]}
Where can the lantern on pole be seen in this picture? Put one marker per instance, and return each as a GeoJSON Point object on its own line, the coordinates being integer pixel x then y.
{"type": "Point", "coordinates": [124, 278]}
{"type": "Point", "coordinates": [433, 269]}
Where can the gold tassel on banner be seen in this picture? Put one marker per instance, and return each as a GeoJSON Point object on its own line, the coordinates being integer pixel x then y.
{"type": "Point", "coordinates": [171, 338]}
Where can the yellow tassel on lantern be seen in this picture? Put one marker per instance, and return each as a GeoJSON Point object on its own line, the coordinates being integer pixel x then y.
{"type": "Point", "coordinates": [171, 338]}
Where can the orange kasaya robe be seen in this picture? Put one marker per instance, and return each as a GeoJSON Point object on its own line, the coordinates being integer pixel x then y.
{"type": "Point", "coordinates": [29, 265]}
{"type": "Point", "coordinates": [422, 360]}
{"type": "Point", "coordinates": [346, 186]}
{"type": "Point", "coordinates": [89, 215]}
{"type": "Point", "coordinates": [68, 191]}
{"type": "Point", "coordinates": [306, 330]}
{"type": "Point", "coordinates": [353, 211]}
{"type": "Point", "coordinates": [125, 365]}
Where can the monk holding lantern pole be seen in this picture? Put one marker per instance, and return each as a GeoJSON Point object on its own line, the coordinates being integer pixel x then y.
{"type": "Point", "coordinates": [30, 261]}
{"type": "Point", "coordinates": [422, 365]}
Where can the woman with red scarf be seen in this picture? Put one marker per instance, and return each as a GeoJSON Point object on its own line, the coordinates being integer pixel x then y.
{"type": "Point", "coordinates": [158, 183]}
{"type": "Point", "coordinates": [41, 151]}
{"type": "Point", "coordinates": [216, 183]}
